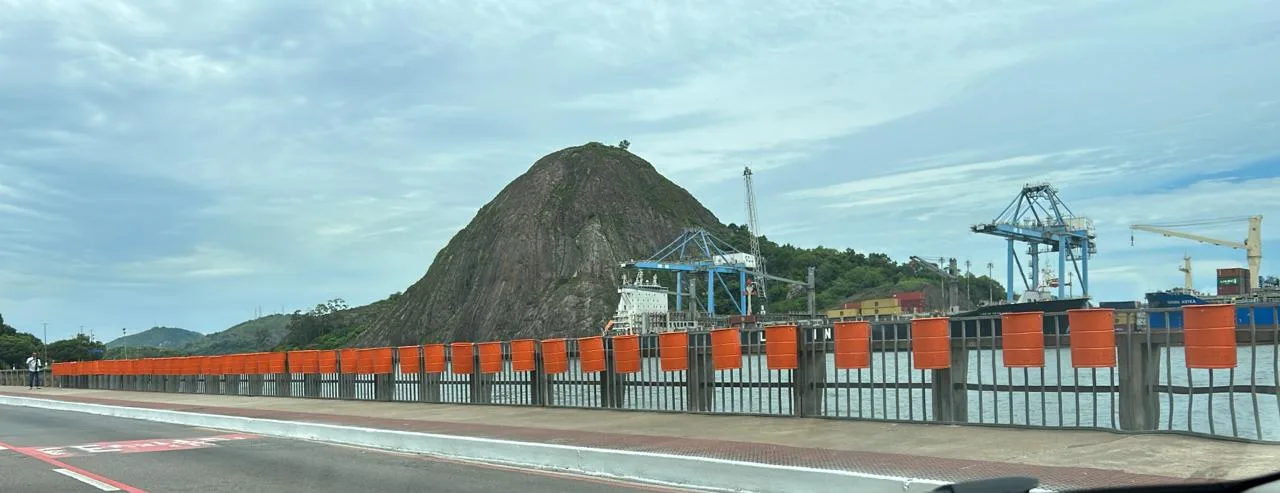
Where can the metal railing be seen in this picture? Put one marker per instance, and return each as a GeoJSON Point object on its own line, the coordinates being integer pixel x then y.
{"type": "Point", "coordinates": [19, 378]}
{"type": "Point", "coordinates": [1150, 388]}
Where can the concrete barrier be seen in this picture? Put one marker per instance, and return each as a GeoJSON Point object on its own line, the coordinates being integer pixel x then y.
{"type": "Point", "coordinates": [689, 471]}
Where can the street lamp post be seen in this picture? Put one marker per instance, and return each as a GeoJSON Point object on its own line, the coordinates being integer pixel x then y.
{"type": "Point", "coordinates": [968, 277]}
{"type": "Point", "coordinates": [991, 288]}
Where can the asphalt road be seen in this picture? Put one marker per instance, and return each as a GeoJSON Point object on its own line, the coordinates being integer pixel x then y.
{"type": "Point", "coordinates": [71, 452]}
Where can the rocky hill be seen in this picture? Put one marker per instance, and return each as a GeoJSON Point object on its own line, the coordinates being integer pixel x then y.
{"type": "Point", "coordinates": [541, 258]}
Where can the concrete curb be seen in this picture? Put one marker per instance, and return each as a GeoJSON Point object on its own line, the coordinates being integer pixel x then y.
{"type": "Point", "coordinates": [698, 472]}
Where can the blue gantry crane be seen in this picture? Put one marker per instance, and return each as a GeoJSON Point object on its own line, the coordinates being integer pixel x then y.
{"type": "Point", "coordinates": [698, 252]}
{"type": "Point", "coordinates": [1039, 218]}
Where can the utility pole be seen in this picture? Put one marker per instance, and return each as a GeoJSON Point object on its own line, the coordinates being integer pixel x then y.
{"type": "Point", "coordinates": [810, 277]}
{"type": "Point", "coordinates": [45, 326]}
{"type": "Point", "coordinates": [124, 332]}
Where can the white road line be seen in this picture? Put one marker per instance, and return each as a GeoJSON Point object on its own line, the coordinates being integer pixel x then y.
{"type": "Point", "coordinates": [86, 480]}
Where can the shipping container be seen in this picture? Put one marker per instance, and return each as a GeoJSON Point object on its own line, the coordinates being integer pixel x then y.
{"type": "Point", "coordinates": [909, 296]}
{"type": "Point", "coordinates": [1233, 272]}
{"type": "Point", "coordinates": [1120, 305]}
{"type": "Point", "coordinates": [879, 303]}
{"type": "Point", "coordinates": [917, 305]}
{"type": "Point", "coordinates": [852, 304]}
{"type": "Point", "coordinates": [912, 306]}
{"type": "Point", "coordinates": [745, 259]}
{"type": "Point", "coordinates": [892, 310]}
{"type": "Point", "coordinates": [834, 313]}
{"type": "Point", "coordinates": [1229, 289]}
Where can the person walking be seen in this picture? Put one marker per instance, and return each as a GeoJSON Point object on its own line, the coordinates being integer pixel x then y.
{"type": "Point", "coordinates": [33, 367]}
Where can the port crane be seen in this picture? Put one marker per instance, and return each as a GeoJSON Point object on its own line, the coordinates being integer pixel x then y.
{"type": "Point", "coordinates": [754, 285]}
{"type": "Point", "coordinates": [1252, 244]}
{"type": "Point", "coordinates": [697, 252]}
{"type": "Point", "coordinates": [1039, 218]}
{"type": "Point", "coordinates": [946, 269]}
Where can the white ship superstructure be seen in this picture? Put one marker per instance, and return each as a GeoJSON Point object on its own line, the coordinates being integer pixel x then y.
{"type": "Point", "coordinates": [644, 308]}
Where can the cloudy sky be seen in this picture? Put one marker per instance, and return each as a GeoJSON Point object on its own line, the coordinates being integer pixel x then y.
{"type": "Point", "coordinates": [183, 163]}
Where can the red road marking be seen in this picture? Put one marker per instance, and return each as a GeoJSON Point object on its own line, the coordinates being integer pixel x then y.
{"type": "Point", "coordinates": [137, 446]}
{"type": "Point", "coordinates": [59, 464]}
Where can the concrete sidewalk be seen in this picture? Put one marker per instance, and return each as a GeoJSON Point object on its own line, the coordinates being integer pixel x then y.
{"type": "Point", "coordinates": [1061, 459]}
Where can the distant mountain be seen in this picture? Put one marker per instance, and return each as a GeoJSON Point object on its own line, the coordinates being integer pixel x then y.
{"type": "Point", "coordinates": [158, 337]}
{"type": "Point", "coordinates": [261, 334]}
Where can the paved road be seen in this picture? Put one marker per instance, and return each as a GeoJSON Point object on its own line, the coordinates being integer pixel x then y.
{"type": "Point", "coordinates": [67, 451]}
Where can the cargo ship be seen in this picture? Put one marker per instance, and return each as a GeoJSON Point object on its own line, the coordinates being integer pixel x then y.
{"type": "Point", "coordinates": [644, 308]}
{"type": "Point", "coordinates": [1256, 308]}
{"type": "Point", "coordinates": [1054, 309]}
{"type": "Point", "coordinates": [893, 315]}
{"type": "Point", "coordinates": [985, 321]}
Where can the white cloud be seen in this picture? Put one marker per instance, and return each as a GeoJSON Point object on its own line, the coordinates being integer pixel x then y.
{"type": "Point", "coordinates": [164, 161]}
{"type": "Point", "coordinates": [862, 67]}
{"type": "Point", "coordinates": [201, 263]}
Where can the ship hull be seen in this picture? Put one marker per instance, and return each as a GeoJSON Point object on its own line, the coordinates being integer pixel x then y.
{"type": "Point", "coordinates": [986, 322]}
{"type": "Point", "coordinates": [1164, 315]}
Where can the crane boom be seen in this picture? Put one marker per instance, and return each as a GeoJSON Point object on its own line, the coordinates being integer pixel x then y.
{"type": "Point", "coordinates": [1189, 236]}
{"type": "Point", "coordinates": [932, 267]}
{"type": "Point", "coordinates": [753, 225]}
{"type": "Point", "coordinates": [1252, 245]}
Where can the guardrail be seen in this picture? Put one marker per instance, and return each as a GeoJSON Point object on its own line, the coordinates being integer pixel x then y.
{"type": "Point", "coordinates": [1211, 374]}
{"type": "Point", "coordinates": [19, 378]}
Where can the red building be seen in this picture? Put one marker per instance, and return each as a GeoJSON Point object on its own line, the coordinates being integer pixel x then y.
{"type": "Point", "coordinates": [911, 301]}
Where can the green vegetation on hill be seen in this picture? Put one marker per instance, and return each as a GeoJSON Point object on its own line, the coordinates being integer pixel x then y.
{"type": "Point", "coordinates": [16, 346]}
{"type": "Point", "coordinates": [126, 352]}
{"type": "Point", "coordinates": [158, 337]}
{"type": "Point", "coordinates": [78, 348]}
{"type": "Point", "coordinates": [261, 334]}
{"type": "Point", "coordinates": [332, 324]}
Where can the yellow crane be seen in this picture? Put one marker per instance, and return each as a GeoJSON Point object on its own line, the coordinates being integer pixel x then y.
{"type": "Point", "coordinates": [1252, 244]}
